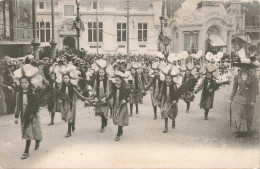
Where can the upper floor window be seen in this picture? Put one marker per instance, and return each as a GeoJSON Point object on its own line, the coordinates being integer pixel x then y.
{"type": "Point", "coordinates": [44, 31]}
{"type": "Point", "coordinates": [68, 10]}
{"type": "Point", "coordinates": [95, 32]}
{"type": "Point", "coordinates": [94, 4]}
{"type": "Point", "coordinates": [121, 32]}
{"type": "Point", "coordinates": [142, 32]}
{"type": "Point", "coordinates": [191, 41]}
{"type": "Point", "coordinates": [41, 5]}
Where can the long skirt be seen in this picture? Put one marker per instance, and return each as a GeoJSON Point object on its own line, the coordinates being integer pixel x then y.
{"type": "Point", "coordinates": [154, 100]}
{"type": "Point", "coordinates": [68, 111]}
{"type": "Point", "coordinates": [243, 116]}
{"type": "Point", "coordinates": [136, 98]}
{"type": "Point", "coordinates": [54, 105]}
{"type": "Point", "coordinates": [188, 97]}
{"type": "Point", "coordinates": [207, 103]}
{"type": "Point", "coordinates": [3, 108]}
{"type": "Point", "coordinates": [102, 111]}
{"type": "Point", "coordinates": [169, 111]}
{"type": "Point", "coordinates": [33, 130]}
{"type": "Point", "coordinates": [120, 115]}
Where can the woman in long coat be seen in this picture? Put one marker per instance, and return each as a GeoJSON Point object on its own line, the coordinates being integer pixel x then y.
{"type": "Point", "coordinates": [68, 94]}
{"type": "Point", "coordinates": [243, 97]}
{"type": "Point", "coordinates": [100, 90]}
{"type": "Point", "coordinates": [119, 94]}
{"type": "Point", "coordinates": [27, 107]}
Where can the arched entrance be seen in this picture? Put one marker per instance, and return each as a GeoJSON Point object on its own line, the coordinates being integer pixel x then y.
{"type": "Point", "coordinates": [69, 42]}
{"type": "Point", "coordinates": [216, 36]}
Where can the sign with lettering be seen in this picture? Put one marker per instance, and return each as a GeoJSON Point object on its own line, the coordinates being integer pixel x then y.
{"type": "Point", "coordinates": [208, 4]}
{"type": "Point", "coordinates": [211, 3]}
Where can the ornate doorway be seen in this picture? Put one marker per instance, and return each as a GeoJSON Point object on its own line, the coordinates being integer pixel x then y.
{"type": "Point", "coordinates": [69, 42]}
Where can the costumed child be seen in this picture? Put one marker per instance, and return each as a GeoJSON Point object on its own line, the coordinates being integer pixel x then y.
{"type": "Point", "coordinates": [155, 83]}
{"type": "Point", "coordinates": [209, 82]}
{"type": "Point", "coordinates": [28, 105]}
{"type": "Point", "coordinates": [119, 94]}
{"type": "Point", "coordinates": [100, 90]}
{"type": "Point", "coordinates": [137, 90]}
{"type": "Point", "coordinates": [53, 102]}
{"type": "Point", "coordinates": [68, 93]}
{"type": "Point", "coordinates": [190, 76]}
{"type": "Point", "coordinates": [167, 96]}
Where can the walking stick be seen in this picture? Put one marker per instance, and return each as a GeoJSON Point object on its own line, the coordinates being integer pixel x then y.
{"type": "Point", "coordinates": [230, 116]}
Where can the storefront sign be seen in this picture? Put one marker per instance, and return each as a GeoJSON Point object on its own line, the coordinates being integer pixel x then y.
{"type": "Point", "coordinates": [208, 4]}
{"type": "Point", "coordinates": [211, 3]}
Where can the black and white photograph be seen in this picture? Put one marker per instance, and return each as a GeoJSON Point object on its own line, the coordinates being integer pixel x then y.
{"type": "Point", "coordinates": [129, 84]}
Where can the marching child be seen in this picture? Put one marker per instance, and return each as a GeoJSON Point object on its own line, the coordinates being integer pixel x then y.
{"type": "Point", "coordinates": [28, 105]}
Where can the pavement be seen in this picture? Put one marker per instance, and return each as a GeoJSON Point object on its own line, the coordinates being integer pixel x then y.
{"type": "Point", "coordinates": [194, 143]}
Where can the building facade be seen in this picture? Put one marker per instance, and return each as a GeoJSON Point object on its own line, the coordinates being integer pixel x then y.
{"type": "Point", "coordinates": [106, 16]}
{"type": "Point", "coordinates": [15, 27]}
{"type": "Point", "coordinates": [195, 22]}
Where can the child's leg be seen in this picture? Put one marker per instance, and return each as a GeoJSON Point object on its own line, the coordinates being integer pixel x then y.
{"type": "Point", "coordinates": [131, 109]}
{"type": "Point", "coordinates": [166, 125]}
{"type": "Point", "coordinates": [27, 146]}
{"type": "Point", "coordinates": [155, 112]}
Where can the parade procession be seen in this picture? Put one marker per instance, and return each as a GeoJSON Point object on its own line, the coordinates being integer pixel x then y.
{"type": "Point", "coordinates": [82, 97]}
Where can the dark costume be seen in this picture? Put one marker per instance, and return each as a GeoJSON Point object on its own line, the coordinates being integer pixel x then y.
{"type": "Point", "coordinates": [208, 88]}
{"type": "Point", "coordinates": [68, 95]}
{"type": "Point", "coordinates": [120, 111]}
{"type": "Point", "coordinates": [166, 97]}
{"type": "Point", "coordinates": [27, 106]}
{"type": "Point", "coordinates": [156, 84]}
{"type": "Point", "coordinates": [53, 101]}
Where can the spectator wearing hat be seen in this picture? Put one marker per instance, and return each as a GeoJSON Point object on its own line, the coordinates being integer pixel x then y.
{"type": "Point", "coordinates": [243, 96]}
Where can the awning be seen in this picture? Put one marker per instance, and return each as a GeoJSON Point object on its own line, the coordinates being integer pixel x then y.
{"type": "Point", "coordinates": [246, 39]}
{"type": "Point", "coordinates": [217, 41]}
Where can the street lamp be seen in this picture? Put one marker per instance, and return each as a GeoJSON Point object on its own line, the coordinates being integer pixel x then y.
{"type": "Point", "coordinates": [161, 32]}
{"type": "Point", "coordinates": [35, 43]}
{"type": "Point", "coordinates": [53, 43]}
{"type": "Point", "coordinates": [77, 23]}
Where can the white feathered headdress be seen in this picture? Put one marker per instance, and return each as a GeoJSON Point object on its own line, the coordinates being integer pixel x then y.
{"type": "Point", "coordinates": [70, 70]}
{"type": "Point", "coordinates": [31, 72]}
{"type": "Point", "coordinates": [103, 64]}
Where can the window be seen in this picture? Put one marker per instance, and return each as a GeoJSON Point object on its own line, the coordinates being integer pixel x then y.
{"type": "Point", "coordinates": [191, 41]}
{"type": "Point", "coordinates": [44, 31]}
{"type": "Point", "coordinates": [121, 32]}
{"type": "Point", "coordinates": [68, 10]}
{"type": "Point", "coordinates": [94, 4]}
{"type": "Point", "coordinates": [41, 5]}
{"type": "Point", "coordinates": [142, 32]}
{"type": "Point", "coordinates": [92, 32]}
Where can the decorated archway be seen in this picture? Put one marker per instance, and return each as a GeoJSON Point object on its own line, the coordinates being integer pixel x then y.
{"type": "Point", "coordinates": [69, 42]}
